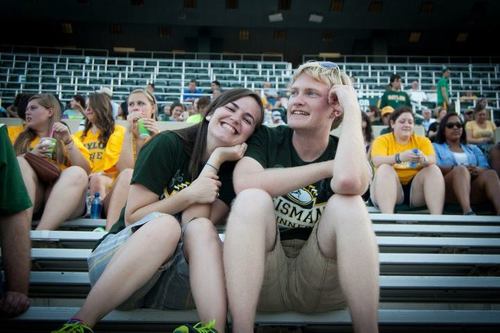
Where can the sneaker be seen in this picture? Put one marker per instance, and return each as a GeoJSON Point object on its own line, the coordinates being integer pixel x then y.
{"type": "Point", "coordinates": [74, 327]}
{"type": "Point", "coordinates": [198, 328]}
{"type": "Point", "coordinates": [470, 212]}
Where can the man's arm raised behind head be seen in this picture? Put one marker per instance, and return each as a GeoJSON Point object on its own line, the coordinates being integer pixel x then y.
{"type": "Point", "coordinates": [249, 173]}
{"type": "Point", "coordinates": [351, 170]}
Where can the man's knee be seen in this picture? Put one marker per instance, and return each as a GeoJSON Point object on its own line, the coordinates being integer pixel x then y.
{"type": "Point", "coordinates": [252, 201]}
{"type": "Point", "coordinates": [346, 202]}
{"type": "Point", "coordinates": [346, 209]}
{"type": "Point", "coordinates": [252, 208]}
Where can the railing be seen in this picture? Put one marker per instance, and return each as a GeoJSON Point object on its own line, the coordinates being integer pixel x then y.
{"type": "Point", "coordinates": [144, 54]}
{"type": "Point", "coordinates": [402, 59]}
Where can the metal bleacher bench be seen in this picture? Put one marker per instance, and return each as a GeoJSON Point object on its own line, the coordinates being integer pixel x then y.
{"type": "Point", "coordinates": [436, 271]}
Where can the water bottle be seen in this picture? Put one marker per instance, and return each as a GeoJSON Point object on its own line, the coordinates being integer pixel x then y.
{"type": "Point", "coordinates": [96, 207]}
{"type": "Point", "coordinates": [413, 164]}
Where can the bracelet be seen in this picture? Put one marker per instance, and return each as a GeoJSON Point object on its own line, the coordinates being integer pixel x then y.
{"type": "Point", "coordinates": [210, 165]}
{"type": "Point", "coordinates": [397, 158]}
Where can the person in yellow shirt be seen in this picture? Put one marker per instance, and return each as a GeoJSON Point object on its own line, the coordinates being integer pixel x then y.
{"type": "Point", "coordinates": [481, 131]}
{"type": "Point", "coordinates": [103, 139]}
{"type": "Point", "coordinates": [14, 131]}
{"type": "Point", "coordinates": [406, 170]}
{"type": "Point", "coordinates": [43, 116]}
{"type": "Point", "coordinates": [141, 105]}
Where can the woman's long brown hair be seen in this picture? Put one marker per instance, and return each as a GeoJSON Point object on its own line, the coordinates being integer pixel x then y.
{"type": "Point", "coordinates": [195, 137]}
{"type": "Point", "coordinates": [103, 113]}
{"type": "Point", "coordinates": [23, 141]}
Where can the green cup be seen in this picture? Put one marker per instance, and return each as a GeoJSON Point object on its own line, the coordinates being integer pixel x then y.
{"type": "Point", "coordinates": [143, 131]}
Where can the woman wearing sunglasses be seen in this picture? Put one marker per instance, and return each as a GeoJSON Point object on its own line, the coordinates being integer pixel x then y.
{"type": "Point", "coordinates": [467, 176]}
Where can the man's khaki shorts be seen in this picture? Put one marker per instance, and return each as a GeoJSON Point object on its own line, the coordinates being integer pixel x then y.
{"type": "Point", "coordinates": [298, 277]}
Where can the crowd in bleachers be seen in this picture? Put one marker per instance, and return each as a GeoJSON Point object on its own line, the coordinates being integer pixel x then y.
{"type": "Point", "coordinates": [456, 160]}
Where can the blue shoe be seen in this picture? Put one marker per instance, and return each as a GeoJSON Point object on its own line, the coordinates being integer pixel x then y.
{"type": "Point", "coordinates": [198, 328]}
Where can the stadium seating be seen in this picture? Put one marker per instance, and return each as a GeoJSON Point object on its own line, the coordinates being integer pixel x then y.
{"type": "Point", "coordinates": [436, 271]}
{"type": "Point", "coordinates": [65, 75]}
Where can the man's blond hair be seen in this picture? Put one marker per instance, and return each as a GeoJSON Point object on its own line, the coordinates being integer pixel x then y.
{"type": "Point", "coordinates": [326, 72]}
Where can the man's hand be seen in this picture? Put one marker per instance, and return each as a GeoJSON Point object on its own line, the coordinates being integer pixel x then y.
{"type": "Point", "coordinates": [342, 97]}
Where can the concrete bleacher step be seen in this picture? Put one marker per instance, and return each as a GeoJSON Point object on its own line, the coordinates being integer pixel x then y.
{"type": "Point", "coordinates": [436, 271]}
{"type": "Point", "coordinates": [85, 223]}
{"type": "Point", "coordinates": [50, 257]}
{"type": "Point", "coordinates": [88, 239]}
{"type": "Point", "coordinates": [393, 287]}
{"type": "Point", "coordinates": [341, 317]}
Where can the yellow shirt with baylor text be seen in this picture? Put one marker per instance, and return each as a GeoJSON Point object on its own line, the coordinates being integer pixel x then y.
{"type": "Point", "coordinates": [103, 158]}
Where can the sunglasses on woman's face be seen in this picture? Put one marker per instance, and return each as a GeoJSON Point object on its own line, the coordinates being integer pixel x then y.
{"type": "Point", "coordinates": [457, 124]}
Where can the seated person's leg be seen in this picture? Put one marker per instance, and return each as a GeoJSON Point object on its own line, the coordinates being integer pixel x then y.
{"type": "Point", "coordinates": [117, 197]}
{"type": "Point", "coordinates": [428, 189]}
{"type": "Point", "coordinates": [203, 250]}
{"type": "Point", "coordinates": [250, 234]}
{"type": "Point", "coordinates": [345, 233]}
{"type": "Point", "coordinates": [486, 186]}
{"type": "Point", "coordinates": [69, 189]}
{"type": "Point", "coordinates": [385, 190]}
{"type": "Point", "coordinates": [458, 187]}
{"type": "Point", "coordinates": [99, 183]}
{"type": "Point", "coordinates": [148, 247]}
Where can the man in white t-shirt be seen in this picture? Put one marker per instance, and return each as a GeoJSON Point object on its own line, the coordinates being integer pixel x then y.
{"type": "Point", "coordinates": [109, 92]}
{"type": "Point", "coordinates": [417, 96]}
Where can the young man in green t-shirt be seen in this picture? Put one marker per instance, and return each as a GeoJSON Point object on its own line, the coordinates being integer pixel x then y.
{"type": "Point", "coordinates": [394, 96]}
{"type": "Point", "coordinates": [299, 237]}
{"type": "Point", "coordinates": [443, 89]}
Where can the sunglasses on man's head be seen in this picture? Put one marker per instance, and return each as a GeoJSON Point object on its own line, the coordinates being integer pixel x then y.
{"type": "Point", "coordinates": [457, 124]}
{"type": "Point", "coordinates": [328, 65]}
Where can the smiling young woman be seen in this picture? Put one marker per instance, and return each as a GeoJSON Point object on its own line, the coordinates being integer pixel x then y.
{"type": "Point", "coordinates": [179, 176]}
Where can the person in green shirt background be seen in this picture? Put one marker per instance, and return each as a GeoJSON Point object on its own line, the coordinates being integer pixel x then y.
{"type": "Point", "coordinates": [443, 89]}
{"type": "Point", "coordinates": [394, 96]}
